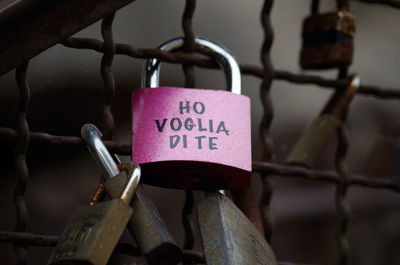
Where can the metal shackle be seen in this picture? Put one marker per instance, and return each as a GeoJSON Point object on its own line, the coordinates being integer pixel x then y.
{"type": "Point", "coordinates": [151, 70]}
{"type": "Point", "coordinates": [92, 137]}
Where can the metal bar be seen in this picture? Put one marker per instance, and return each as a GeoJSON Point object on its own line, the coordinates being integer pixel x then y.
{"type": "Point", "coordinates": [28, 239]}
{"type": "Point", "coordinates": [51, 241]}
{"type": "Point", "coordinates": [189, 73]}
{"type": "Point", "coordinates": [187, 220]}
{"type": "Point", "coordinates": [191, 257]}
{"type": "Point", "coordinates": [41, 138]}
{"type": "Point", "coordinates": [253, 70]}
{"type": "Point", "coordinates": [22, 171]}
{"type": "Point", "coordinates": [33, 26]}
{"type": "Point", "coordinates": [378, 92]}
{"type": "Point", "coordinates": [108, 78]}
{"type": "Point", "coordinates": [342, 204]}
{"type": "Point", "coordinates": [189, 45]}
{"type": "Point", "coordinates": [265, 95]}
{"type": "Point", "coordinates": [7, 134]}
{"type": "Point", "coordinates": [324, 175]}
{"type": "Point", "coordinates": [391, 3]}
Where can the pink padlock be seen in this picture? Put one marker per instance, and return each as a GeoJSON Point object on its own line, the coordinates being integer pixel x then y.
{"type": "Point", "coordinates": [192, 138]}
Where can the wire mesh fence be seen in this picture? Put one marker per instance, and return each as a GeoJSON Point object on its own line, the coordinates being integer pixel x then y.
{"type": "Point", "coordinates": [21, 136]}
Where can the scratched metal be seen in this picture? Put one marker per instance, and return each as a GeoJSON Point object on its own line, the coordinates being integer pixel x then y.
{"type": "Point", "coordinates": [32, 26]}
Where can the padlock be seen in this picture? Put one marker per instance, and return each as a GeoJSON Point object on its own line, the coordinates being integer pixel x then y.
{"type": "Point", "coordinates": [192, 138]}
{"type": "Point", "coordinates": [94, 230]}
{"type": "Point", "coordinates": [228, 237]}
{"type": "Point", "coordinates": [146, 225]}
{"type": "Point", "coordinates": [327, 40]}
{"type": "Point", "coordinates": [315, 137]}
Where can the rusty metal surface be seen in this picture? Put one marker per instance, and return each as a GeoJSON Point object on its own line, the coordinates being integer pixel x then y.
{"type": "Point", "coordinates": [253, 70]}
{"type": "Point", "coordinates": [265, 134]}
{"type": "Point", "coordinates": [190, 81]}
{"type": "Point", "coordinates": [324, 176]}
{"type": "Point", "coordinates": [34, 15]}
{"type": "Point", "coordinates": [20, 150]}
{"type": "Point", "coordinates": [33, 26]}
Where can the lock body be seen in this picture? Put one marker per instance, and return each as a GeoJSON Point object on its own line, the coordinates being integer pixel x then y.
{"type": "Point", "coordinates": [228, 236]}
{"type": "Point", "coordinates": [317, 134]}
{"type": "Point", "coordinates": [327, 40]}
{"type": "Point", "coordinates": [92, 234]}
{"type": "Point", "coordinates": [146, 226]}
{"type": "Point", "coordinates": [94, 230]}
{"type": "Point", "coordinates": [192, 138]}
{"type": "Point", "coordinates": [313, 139]}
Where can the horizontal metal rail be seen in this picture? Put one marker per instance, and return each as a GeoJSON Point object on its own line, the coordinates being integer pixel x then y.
{"type": "Point", "coordinates": [28, 27]}
{"type": "Point", "coordinates": [186, 58]}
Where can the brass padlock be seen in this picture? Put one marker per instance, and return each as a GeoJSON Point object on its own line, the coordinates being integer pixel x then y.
{"type": "Point", "coordinates": [316, 135]}
{"type": "Point", "coordinates": [228, 237]}
{"type": "Point", "coordinates": [94, 230]}
{"type": "Point", "coordinates": [327, 40]}
{"type": "Point", "coordinates": [146, 225]}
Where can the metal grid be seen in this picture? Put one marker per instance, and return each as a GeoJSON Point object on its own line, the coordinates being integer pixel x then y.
{"type": "Point", "coordinates": [21, 136]}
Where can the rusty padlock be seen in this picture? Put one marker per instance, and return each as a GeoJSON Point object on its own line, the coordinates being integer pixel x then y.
{"type": "Point", "coordinates": [94, 230]}
{"type": "Point", "coordinates": [316, 135]}
{"type": "Point", "coordinates": [192, 138]}
{"type": "Point", "coordinates": [327, 40]}
{"type": "Point", "coordinates": [146, 225]}
{"type": "Point", "coordinates": [228, 237]}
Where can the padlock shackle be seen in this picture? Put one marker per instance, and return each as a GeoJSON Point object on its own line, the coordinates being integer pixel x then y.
{"type": "Point", "coordinates": [130, 188]}
{"type": "Point", "coordinates": [151, 70]}
{"type": "Point", "coordinates": [92, 137]}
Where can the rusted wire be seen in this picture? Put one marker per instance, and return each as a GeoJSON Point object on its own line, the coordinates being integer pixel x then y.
{"type": "Point", "coordinates": [187, 220]}
{"type": "Point", "coordinates": [265, 95]}
{"type": "Point", "coordinates": [108, 78]}
{"type": "Point", "coordinates": [10, 135]}
{"type": "Point", "coordinates": [343, 5]}
{"type": "Point", "coordinates": [28, 239]}
{"type": "Point", "coordinates": [22, 171]}
{"type": "Point", "coordinates": [391, 3]}
{"type": "Point", "coordinates": [23, 238]}
{"type": "Point", "coordinates": [189, 73]}
{"type": "Point", "coordinates": [45, 139]}
{"type": "Point", "coordinates": [324, 176]}
{"type": "Point", "coordinates": [253, 70]}
{"type": "Point", "coordinates": [22, 137]}
{"type": "Point", "coordinates": [342, 204]}
{"type": "Point", "coordinates": [189, 45]}
{"type": "Point", "coordinates": [189, 257]}
{"type": "Point", "coordinates": [315, 7]}
{"type": "Point", "coordinates": [378, 92]}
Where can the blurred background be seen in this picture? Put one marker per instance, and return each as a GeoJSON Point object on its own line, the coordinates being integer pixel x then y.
{"type": "Point", "coordinates": [66, 87]}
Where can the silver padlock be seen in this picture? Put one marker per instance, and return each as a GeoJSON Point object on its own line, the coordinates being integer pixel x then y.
{"type": "Point", "coordinates": [146, 225]}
